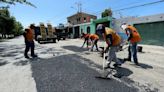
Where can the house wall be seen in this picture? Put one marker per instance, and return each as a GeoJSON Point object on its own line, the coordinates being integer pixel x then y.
{"type": "Point", "coordinates": [136, 20]}
{"type": "Point", "coordinates": [80, 18]}
{"type": "Point", "coordinates": [149, 27]}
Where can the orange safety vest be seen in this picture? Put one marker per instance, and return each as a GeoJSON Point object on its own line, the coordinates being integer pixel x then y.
{"type": "Point", "coordinates": [135, 35]}
{"type": "Point", "coordinates": [86, 36]}
{"type": "Point", "coordinates": [116, 39]}
{"type": "Point", "coordinates": [29, 35]}
{"type": "Point", "coordinates": [94, 37]}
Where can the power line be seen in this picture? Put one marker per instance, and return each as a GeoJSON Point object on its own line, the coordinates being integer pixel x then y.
{"type": "Point", "coordinates": [146, 4]}
{"type": "Point", "coordinates": [122, 9]}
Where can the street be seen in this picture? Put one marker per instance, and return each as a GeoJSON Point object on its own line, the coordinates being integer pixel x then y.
{"type": "Point", "coordinates": [66, 67]}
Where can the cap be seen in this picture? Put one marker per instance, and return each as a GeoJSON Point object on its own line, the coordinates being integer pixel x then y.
{"type": "Point", "coordinates": [100, 28]}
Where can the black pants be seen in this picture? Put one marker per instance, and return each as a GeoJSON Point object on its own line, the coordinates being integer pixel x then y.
{"type": "Point", "coordinates": [85, 41]}
{"type": "Point", "coordinates": [94, 43]}
{"type": "Point", "coordinates": [29, 45]}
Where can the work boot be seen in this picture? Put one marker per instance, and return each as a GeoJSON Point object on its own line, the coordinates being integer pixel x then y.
{"type": "Point", "coordinates": [137, 63]}
{"type": "Point", "coordinates": [116, 65]}
{"type": "Point", "coordinates": [127, 59]}
{"type": "Point", "coordinates": [33, 56]}
{"type": "Point", "coordinates": [27, 57]}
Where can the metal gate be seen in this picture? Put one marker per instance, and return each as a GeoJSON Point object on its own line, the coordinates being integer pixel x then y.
{"type": "Point", "coordinates": [151, 33]}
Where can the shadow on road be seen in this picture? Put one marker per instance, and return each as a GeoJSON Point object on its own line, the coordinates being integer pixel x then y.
{"type": "Point", "coordinates": [69, 73]}
{"type": "Point", "coordinates": [75, 48]}
{"type": "Point", "coordinates": [144, 66]}
{"type": "Point", "coordinates": [28, 61]}
{"type": "Point", "coordinates": [21, 63]}
{"type": "Point", "coordinates": [3, 63]}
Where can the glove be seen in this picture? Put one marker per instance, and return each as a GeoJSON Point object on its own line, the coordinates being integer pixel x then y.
{"type": "Point", "coordinates": [126, 42]}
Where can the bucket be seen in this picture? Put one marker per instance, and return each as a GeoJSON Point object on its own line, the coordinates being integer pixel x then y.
{"type": "Point", "coordinates": [139, 48]}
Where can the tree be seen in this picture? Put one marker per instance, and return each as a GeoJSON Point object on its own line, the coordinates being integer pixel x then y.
{"type": "Point", "coordinates": [13, 2]}
{"type": "Point", "coordinates": [9, 25]}
{"type": "Point", "coordinates": [18, 28]}
{"type": "Point", "coordinates": [107, 12]}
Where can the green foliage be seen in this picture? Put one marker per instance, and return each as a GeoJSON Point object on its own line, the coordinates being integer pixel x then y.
{"type": "Point", "coordinates": [9, 25]}
{"type": "Point", "coordinates": [107, 12]}
{"type": "Point", "coordinates": [12, 2]}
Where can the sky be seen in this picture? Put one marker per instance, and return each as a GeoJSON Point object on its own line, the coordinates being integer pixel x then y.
{"type": "Point", "coordinates": [57, 11]}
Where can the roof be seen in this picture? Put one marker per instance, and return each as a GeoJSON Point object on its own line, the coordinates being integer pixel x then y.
{"type": "Point", "coordinates": [81, 13]}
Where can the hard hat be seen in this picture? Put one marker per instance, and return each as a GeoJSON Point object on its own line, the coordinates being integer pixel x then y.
{"type": "Point", "coordinates": [124, 26]}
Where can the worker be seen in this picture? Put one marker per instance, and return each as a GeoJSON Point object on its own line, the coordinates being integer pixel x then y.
{"type": "Point", "coordinates": [133, 39]}
{"type": "Point", "coordinates": [86, 39]}
{"type": "Point", "coordinates": [94, 39]}
{"type": "Point", "coordinates": [29, 42]}
{"type": "Point", "coordinates": [112, 40]}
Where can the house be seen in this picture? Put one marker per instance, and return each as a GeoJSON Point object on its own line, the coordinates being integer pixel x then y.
{"type": "Point", "coordinates": [76, 21]}
{"type": "Point", "coordinates": [80, 18]}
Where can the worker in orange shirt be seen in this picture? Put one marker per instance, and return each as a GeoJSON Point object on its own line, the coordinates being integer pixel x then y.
{"type": "Point", "coordinates": [86, 39]}
{"type": "Point", "coordinates": [113, 41]}
{"type": "Point", "coordinates": [29, 42]}
{"type": "Point", "coordinates": [94, 39]}
{"type": "Point", "coordinates": [133, 37]}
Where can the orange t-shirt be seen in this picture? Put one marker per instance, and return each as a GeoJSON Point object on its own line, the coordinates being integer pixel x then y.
{"type": "Point", "coordinates": [29, 35]}
{"type": "Point", "coordinates": [135, 35]}
{"type": "Point", "coordinates": [94, 37]}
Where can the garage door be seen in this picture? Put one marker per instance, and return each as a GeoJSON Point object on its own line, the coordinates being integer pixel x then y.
{"type": "Point", "coordinates": [151, 33]}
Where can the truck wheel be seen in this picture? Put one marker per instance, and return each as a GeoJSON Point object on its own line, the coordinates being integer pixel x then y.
{"type": "Point", "coordinates": [63, 38]}
{"type": "Point", "coordinates": [39, 41]}
{"type": "Point", "coordinates": [54, 40]}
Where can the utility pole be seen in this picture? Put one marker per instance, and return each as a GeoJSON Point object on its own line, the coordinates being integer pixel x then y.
{"type": "Point", "coordinates": [79, 6]}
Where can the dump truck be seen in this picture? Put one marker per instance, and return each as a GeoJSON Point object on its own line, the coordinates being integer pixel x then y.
{"type": "Point", "coordinates": [44, 34]}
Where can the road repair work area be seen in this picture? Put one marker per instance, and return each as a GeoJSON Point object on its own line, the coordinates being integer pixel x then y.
{"type": "Point", "coordinates": [66, 67]}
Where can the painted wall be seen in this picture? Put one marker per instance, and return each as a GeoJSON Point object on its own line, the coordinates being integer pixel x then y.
{"type": "Point", "coordinates": [149, 27]}
{"type": "Point", "coordinates": [101, 21]}
{"type": "Point", "coordinates": [136, 20]}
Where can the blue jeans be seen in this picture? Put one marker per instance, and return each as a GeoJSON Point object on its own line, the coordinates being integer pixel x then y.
{"type": "Point", "coordinates": [133, 52]}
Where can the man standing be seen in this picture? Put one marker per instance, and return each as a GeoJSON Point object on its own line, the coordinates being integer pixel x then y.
{"type": "Point", "coordinates": [29, 42]}
{"type": "Point", "coordinates": [112, 40]}
{"type": "Point", "coordinates": [94, 39]}
{"type": "Point", "coordinates": [133, 38]}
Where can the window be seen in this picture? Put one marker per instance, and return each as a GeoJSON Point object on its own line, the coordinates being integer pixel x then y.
{"type": "Point", "coordinates": [85, 19]}
{"type": "Point", "coordinates": [78, 19]}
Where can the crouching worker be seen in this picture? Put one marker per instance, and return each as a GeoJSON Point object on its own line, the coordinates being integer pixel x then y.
{"type": "Point", "coordinates": [94, 39]}
{"type": "Point", "coordinates": [112, 40]}
{"type": "Point", "coordinates": [86, 39]}
{"type": "Point", "coordinates": [28, 36]}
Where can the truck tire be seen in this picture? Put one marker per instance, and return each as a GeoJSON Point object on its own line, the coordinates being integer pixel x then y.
{"type": "Point", "coordinates": [39, 41]}
{"type": "Point", "coordinates": [54, 40]}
